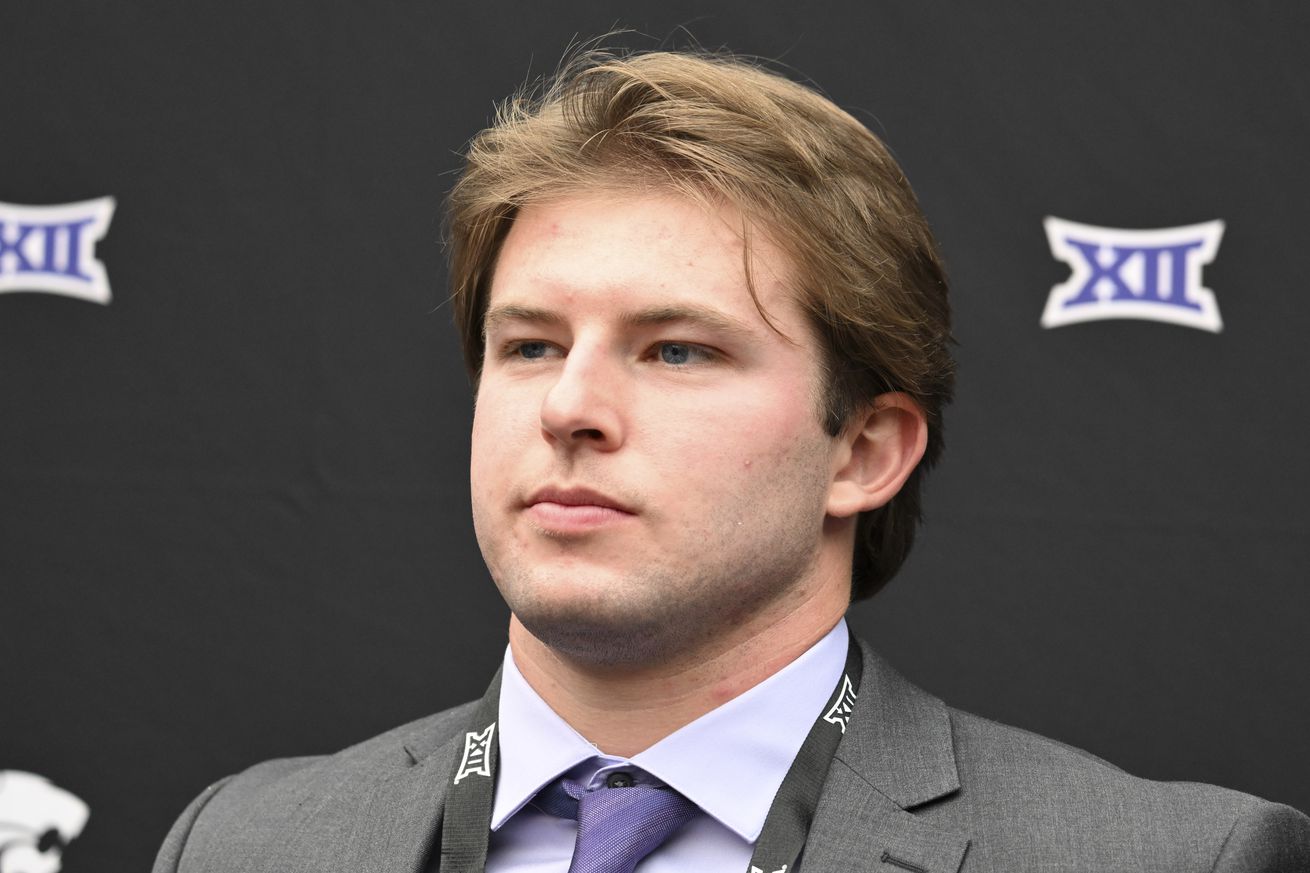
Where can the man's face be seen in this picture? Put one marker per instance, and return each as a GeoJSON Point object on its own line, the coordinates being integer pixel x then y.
{"type": "Point", "coordinates": [648, 465]}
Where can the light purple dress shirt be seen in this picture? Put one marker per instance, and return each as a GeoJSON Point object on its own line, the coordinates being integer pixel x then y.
{"type": "Point", "coordinates": [729, 762]}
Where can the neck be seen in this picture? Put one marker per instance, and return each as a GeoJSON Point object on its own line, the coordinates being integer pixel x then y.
{"type": "Point", "coordinates": [626, 710]}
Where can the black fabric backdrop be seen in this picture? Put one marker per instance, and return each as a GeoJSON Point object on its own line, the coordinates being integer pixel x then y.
{"type": "Point", "coordinates": [233, 502]}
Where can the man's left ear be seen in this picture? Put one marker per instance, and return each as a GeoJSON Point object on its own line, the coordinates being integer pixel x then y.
{"type": "Point", "coordinates": [878, 452]}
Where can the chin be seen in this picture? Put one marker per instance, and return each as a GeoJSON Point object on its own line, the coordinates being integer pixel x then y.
{"type": "Point", "coordinates": [596, 627]}
{"type": "Point", "coordinates": [601, 646]}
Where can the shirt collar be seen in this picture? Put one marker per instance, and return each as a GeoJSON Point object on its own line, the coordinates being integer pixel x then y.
{"type": "Point", "coordinates": [536, 745]}
{"type": "Point", "coordinates": [729, 762]}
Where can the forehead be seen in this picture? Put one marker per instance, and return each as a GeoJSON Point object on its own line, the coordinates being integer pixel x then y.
{"type": "Point", "coordinates": [612, 247]}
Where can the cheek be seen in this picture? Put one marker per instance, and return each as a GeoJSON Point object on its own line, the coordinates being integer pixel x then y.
{"type": "Point", "coordinates": [764, 427]}
{"type": "Point", "coordinates": [782, 452]}
{"type": "Point", "coordinates": [490, 436]}
{"type": "Point", "coordinates": [738, 449]}
{"type": "Point", "coordinates": [502, 416]}
{"type": "Point", "coordinates": [505, 433]}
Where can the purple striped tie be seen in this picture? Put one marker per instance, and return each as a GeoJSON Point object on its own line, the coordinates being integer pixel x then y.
{"type": "Point", "coordinates": [619, 826]}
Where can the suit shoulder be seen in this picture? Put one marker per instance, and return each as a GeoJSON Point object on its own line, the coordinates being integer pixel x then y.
{"type": "Point", "coordinates": [991, 741]}
{"type": "Point", "coordinates": [985, 749]}
{"type": "Point", "coordinates": [287, 789]}
{"type": "Point", "coordinates": [1270, 836]}
{"type": "Point", "coordinates": [394, 749]}
{"type": "Point", "coordinates": [1018, 785]}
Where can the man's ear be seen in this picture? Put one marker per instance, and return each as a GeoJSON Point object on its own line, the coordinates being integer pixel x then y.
{"type": "Point", "coordinates": [878, 451]}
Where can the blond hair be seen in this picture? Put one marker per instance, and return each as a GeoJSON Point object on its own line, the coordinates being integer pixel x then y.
{"type": "Point", "coordinates": [825, 189]}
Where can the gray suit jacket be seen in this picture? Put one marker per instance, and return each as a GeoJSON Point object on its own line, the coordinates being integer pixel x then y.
{"type": "Point", "coordinates": [915, 785]}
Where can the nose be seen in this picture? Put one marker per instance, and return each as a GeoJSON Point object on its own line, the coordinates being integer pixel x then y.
{"type": "Point", "coordinates": [582, 407]}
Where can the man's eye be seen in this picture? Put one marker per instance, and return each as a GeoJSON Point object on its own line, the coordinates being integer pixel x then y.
{"type": "Point", "coordinates": [682, 353]}
{"type": "Point", "coordinates": [531, 349]}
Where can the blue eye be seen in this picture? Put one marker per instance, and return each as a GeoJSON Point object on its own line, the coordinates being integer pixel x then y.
{"type": "Point", "coordinates": [675, 353]}
{"type": "Point", "coordinates": [532, 350]}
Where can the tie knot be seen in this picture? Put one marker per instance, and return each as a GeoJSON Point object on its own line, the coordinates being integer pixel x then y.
{"type": "Point", "coordinates": [618, 824]}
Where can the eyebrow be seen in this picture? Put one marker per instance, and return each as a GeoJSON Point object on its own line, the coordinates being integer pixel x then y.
{"type": "Point", "coordinates": [499, 315]}
{"type": "Point", "coordinates": [689, 314]}
{"type": "Point", "coordinates": [652, 316]}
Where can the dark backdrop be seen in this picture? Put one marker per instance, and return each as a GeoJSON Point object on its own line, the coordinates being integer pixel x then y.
{"type": "Point", "coordinates": [233, 502]}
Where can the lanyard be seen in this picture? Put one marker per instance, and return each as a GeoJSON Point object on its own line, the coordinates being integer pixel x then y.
{"type": "Point", "coordinates": [466, 824]}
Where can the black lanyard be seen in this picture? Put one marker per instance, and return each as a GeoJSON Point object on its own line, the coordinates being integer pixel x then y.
{"type": "Point", "coordinates": [466, 825]}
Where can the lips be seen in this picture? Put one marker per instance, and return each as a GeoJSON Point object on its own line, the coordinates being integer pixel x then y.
{"type": "Point", "coordinates": [574, 510]}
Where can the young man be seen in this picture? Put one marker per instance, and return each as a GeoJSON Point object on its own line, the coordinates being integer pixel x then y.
{"type": "Point", "coordinates": [710, 335]}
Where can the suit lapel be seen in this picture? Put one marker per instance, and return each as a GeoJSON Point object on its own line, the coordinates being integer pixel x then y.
{"type": "Point", "coordinates": [396, 825]}
{"type": "Point", "coordinates": [858, 829]}
{"type": "Point", "coordinates": [896, 754]}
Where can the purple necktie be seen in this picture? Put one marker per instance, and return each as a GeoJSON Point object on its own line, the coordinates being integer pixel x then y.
{"type": "Point", "coordinates": [617, 826]}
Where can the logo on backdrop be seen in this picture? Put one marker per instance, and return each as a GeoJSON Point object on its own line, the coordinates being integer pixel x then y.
{"type": "Point", "coordinates": [37, 820]}
{"type": "Point", "coordinates": [1148, 274]}
{"type": "Point", "coordinates": [52, 249]}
